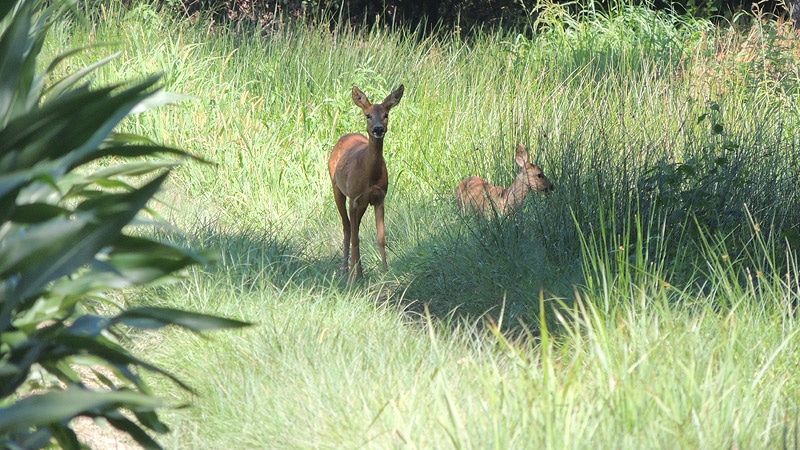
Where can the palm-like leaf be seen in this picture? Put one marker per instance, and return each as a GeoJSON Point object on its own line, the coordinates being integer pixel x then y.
{"type": "Point", "coordinates": [64, 238]}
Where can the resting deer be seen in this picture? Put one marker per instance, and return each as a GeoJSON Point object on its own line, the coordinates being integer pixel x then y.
{"type": "Point", "coordinates": [358, 172]}
{"type": "Point", "coordinates": [480, 195]}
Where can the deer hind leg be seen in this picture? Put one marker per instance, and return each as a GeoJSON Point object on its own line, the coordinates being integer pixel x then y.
{"type": "Point", "coordinates": [340, 199]}
{"type": "Point", "coordinates": [356, 213]}
{"type": "Point", "coordinates": [379, 226]}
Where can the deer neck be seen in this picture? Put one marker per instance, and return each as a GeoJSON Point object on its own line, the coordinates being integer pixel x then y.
{"type": "Point", "coordinates": [516, 193]}
{"type": "Point", "coordinates": [374, 151]}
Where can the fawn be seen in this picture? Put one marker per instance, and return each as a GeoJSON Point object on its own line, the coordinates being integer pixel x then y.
{"type": "Point", "coordinates": [480, 195]}
{"type": "Point", "coordinates": [358, 172]}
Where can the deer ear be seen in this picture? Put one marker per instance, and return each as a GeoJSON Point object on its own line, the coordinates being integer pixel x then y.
{"type": "Point", "coordinates": [393, 99]}
{"type": "Point", "coordinates": [360, 98]}
{"type": "Point", "coordinates": [522, 155]}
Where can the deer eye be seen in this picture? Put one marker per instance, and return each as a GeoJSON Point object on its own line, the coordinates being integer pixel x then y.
{"type": "Point", "coordinates": [540, 175]}
{"type": "Point", "coordinates": [369, 116]}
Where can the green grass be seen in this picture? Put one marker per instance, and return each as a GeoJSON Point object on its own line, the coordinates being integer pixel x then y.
{"type": "Point", "coordinates": [657, 332]}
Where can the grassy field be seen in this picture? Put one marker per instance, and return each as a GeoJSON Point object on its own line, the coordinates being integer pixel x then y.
{"type": "Point", "coordinates": [647, 303]}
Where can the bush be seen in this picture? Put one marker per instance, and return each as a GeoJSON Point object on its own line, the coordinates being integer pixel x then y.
{"type": "Point", "coordinates": [702, 187]}
{"type": "Point", "coordinates": [70, 189]}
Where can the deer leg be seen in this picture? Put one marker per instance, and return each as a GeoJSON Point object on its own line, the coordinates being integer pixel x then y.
{"type": "Point", "coordinates": [379, 226]}
{"type": "Point", "coordinates": [356, 213]}
{"type": "Point", "coordinates": [340, 205]}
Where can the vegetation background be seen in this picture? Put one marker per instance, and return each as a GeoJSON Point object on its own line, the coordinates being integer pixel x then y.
{"type": "Point", "coordinates": [451, 14]}
{"type": "Point", "coordinates": [649, 302]}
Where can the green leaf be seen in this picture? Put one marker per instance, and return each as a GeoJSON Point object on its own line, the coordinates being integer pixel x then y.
{"type": "Point", "coordinates": [14, 49]}
{"type": "Point", "coordinates": [64, 435]}
{"type": "Point", "coordinates": [12, 181]}
{"type": "Point", "coordinates": [71, 126]}
{"type": "Point", "coordinates": [5, 8]}
{"type": "Point", "coordinates": [37, 213]}
{"type": "Point", "coordinates": [157, 99]}
{"type": "Point", "coordinates": [73, 244]}
{"type": "Point", "coordinates": [89, 325]}
{"type": "Point", "coordinates": [151, 317]}
{"type": "Point", "coordinates": [119, 107]}
{"type": "Point", "coordinates": [135, 150]}
{"type": "Point", "coordinates": [130, 203]}
{"type": "Point", "coordinates": [44, 308]}
{"type": "Point", "coordinates": [57, 406]}
{"type": "Point", "coordinates": [132, 169]}
{"type": "Point", "coordinates": [36, 246]}
{"type": "Point", "coordinates": [58, 88]}
{"type": "Point", "coordinates": [132, 261]}
{"type": "Point", "coordinates": [115, 355]}
{"type": "Point", "coordinates": [150, 420]}
{"type": "Point", "coordinates": [30, 439]}
{"type": "Point", "coordinates": [141, 269]}
{"type": "Point", "coordinates": [53, 130]}
{"type": "Point", "coordinates": [78, 187]}
{"type": "Point", "coordinates": [20, 360]}
{"type": "Point", "coordinates": [121, 423]}
{"type": "Point", "coordinates": [128, 244]}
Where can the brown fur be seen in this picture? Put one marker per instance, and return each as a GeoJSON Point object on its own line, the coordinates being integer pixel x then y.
{"type": "Point", "coordinates": [479, 195]}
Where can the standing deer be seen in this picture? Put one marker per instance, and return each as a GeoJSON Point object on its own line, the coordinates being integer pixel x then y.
{"type": "Point", "coordinates": [358, 172]}
{"type": "Point", "coordinates": [482, 196]}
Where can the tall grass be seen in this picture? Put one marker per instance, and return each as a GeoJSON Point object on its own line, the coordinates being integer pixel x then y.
{"type": "Point", "coordinates": [640, 305]}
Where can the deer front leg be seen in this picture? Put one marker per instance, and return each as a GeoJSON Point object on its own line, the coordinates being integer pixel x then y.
{"type": "Point", "coordinates": [356, 213]}
{"type": "Point", "coordinates": [379, 225]}
{"type": "Point", "coordinates": [340, 199]}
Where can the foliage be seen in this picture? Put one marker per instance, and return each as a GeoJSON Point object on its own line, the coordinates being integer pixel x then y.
{"type": "Point", "coordinates": [71, 191]}
{"type": "Point", "coordinates": [452, 14]}
{"type": "Point", "coordinates": [703, 185]}
{"type": "Point", "coordinates": [647, 337]}
{"type": "Point", "coordinates": [445, 15]}
{"type": "Point", "coordinates": [622, 35]}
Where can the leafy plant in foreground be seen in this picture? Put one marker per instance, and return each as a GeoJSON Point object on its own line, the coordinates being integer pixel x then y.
{"type": "Point", "coordinates": [67, 201]}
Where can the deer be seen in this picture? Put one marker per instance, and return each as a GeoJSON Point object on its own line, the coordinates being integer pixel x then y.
{"type": "Point", "coordinates": [478, 194]}
{"type": "Point", "coordinates": [358, 172]}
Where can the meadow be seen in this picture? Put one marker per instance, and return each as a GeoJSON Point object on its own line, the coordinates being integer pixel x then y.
{"type": "Point", "coordinates": [648, 302]}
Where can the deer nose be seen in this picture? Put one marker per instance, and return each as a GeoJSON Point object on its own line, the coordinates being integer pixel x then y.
{"type": "Point", "coordinates": [379, 131]}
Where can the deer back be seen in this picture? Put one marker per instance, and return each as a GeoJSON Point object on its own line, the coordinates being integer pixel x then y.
{"type": "Point", "coordinates": [481, 195]}
{"type": "Point", "coordinates": [478, 194]}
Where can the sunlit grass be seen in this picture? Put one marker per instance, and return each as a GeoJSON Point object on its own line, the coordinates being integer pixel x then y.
{"type": "Point", "coordinates": [653, 334]}
{"type": "Point", "coordinates": [634, 363]}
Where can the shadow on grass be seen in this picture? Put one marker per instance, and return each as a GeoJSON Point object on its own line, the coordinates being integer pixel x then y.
{"type": "Point", "coordinates": [465, 268]}
{"type": "Point", "coordinates": [474, 267]}
{"type": "Point", "coordinates": [257, 258]}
